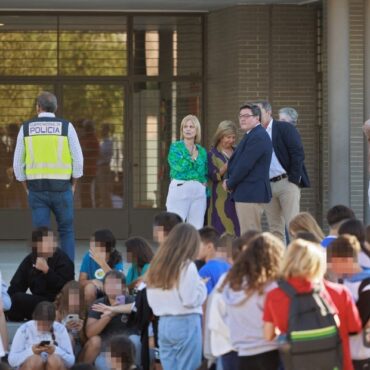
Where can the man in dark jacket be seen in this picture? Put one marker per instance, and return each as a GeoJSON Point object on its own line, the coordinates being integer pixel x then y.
{"type": "Point", "coordinates": [287, 171]}
{"type": "Point", "coordinates": [248, 170]}
{"type": "Point", "coordinates": [44, 272]}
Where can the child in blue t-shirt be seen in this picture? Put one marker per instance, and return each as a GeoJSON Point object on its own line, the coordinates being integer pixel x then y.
{"type": "Point", "coordinates": [215, 265]}
{"type": "Point", "coordinates": [139, 253]}
{"type": "Point", "coordinates": [101, 258]}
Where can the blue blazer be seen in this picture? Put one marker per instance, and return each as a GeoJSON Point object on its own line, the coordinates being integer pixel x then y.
{"type": "Point", "coordinates": [249, 166]}
{"type": "Point", "coordinates": [288, 148]}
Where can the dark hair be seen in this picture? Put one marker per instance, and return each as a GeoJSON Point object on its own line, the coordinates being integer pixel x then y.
{"type": "Point", "coordinates": [47, 102]}
{"type": "Point", "coordinates": [121, 347]}
{"type": "Point", "coordinates": [237, 248]}
{"type": "Point", "coordinates": [339, 213]}
{"type": "Point", "coordinates": [83, 367]}
{"type": "Point", "coordinates": [39, 233]}
{"type": "Point", "coordinates": [306, 235]}
{"type": "Point", "coordinates": [168, 220]}
{"type": "Point", "coordinates": [108, 240]}
{"type": "Point", "coordinates": [254, 108]}
{"type": "Point", "coordinates": [115, 275]}
{"type": "Point", "coordinates": [44, 311]}
{"type": "Point", "coordinates": [343, 247]}
{"type": "Point", "coordinates": [367, 233]}
{"type": "Point", "coordinates": [354, 227]}
{"type": "Point", "coordinates": [140, 249]}
{"type": "Point", "coordinates": [209, 234]}
{"type": "Point", "coordinates": [249, 235]}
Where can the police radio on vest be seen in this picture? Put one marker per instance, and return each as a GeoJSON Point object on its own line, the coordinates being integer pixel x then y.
{"type": "Point", "coordinates": [45, 128]}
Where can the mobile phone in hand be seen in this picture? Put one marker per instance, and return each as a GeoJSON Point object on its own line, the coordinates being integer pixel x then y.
{"type": "Point", "coordinates": [120, 299]}
{"type": "Point", "coordinates": [44, 343]}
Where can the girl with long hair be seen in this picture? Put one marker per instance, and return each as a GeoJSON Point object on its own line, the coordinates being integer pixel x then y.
{"type": "Point", "coordinates": [304, 222]}
{"type": "Point", "coordinates": [71, 311]}
{"type": "Point", "coordinates": [176, 294]}
{"type": "Point", "coordinates": [42, 343]}
{"type": "Point", "coordinates": [139, 253]}
{"type": "Point", "coordinates": [252, 276]}
{"type": "Point", "coordinates": [101, 258]}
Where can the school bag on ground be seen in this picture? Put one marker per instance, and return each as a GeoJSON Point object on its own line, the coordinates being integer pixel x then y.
{"type": "Point", "coordinates": [312, 341]}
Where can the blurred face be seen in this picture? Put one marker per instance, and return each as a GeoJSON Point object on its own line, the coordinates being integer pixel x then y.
{"type": "Point", "coordinates": [189, 131]}
{"type": "Point", "coordinates": [159, 234]}
{"type": "Point", "coordinates": [227, 141]}
{"type": "Point", "coordinates": [46, 247]}
{"type": "Point", "coordinates": [113, 287]}
{"type": "Point", "coordinates": [247, 120]}
{"type": "Point", "coordinates": [43, 326]}
{"type": "Point", "coordinates": [74, 300]}
{"type": "Point", "coordinates": [116, 362]}
{"type": "Point", "coordinates": [342, 265]}
{"type": "Point", "coordinates": [99, 249]}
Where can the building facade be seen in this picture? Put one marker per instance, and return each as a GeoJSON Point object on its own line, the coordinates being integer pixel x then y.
{"type": "Point", "coordinates": [126, 80]}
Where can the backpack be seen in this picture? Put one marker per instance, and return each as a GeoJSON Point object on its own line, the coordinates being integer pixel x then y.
{"type": "Point", "coordinates": [312, 341]}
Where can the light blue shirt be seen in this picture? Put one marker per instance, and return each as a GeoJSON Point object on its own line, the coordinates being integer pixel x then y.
{"type": "Point", "coordinates": [74, 146]}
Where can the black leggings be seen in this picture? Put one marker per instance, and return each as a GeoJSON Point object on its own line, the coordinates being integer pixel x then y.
{"type": "Point", "coordinates": [23, 305]}
{"type": "Point", "coordinates": [263, 361]}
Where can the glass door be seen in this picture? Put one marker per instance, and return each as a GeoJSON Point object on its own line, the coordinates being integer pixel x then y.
{"type": "Point", "coordinates": [17, 104]}
{"type": "Point", "coordinates": [98, 112]}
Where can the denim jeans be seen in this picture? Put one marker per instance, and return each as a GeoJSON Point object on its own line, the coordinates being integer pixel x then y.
{"type": "Point", "coordinates": [61, 204]}
{"type": "Point", "coordinates": [180, 342]}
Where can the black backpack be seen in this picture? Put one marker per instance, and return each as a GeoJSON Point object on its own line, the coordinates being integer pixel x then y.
{"type": "Point", "coordinates": [312, 341]}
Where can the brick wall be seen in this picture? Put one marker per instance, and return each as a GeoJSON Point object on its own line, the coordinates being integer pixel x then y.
{"type": "Point", "coordinates": [267, 52]}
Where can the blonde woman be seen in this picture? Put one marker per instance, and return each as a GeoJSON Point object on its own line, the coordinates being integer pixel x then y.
{"type": "Point", "coordinates": [188, 173]}
{"type": "Point", "coordinates": [303, 268]}
{"type": "Point", "coordinates": [304, 222]}
{"type": "Point", "coordinates": [221, 212]}
{"type": "Point", "coordinates": [176, 293]}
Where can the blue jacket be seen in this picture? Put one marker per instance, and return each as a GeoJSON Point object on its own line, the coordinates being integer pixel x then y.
{"type": "Point", "coordinates": [288, 148]}
{"type": "Point", "coordinates": [249, 166]}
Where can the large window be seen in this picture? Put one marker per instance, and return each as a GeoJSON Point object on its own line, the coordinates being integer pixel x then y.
{"type": "Point", "coordinates": [124, 81]}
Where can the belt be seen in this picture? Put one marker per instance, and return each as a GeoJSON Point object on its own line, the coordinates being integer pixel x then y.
{"type": "Point", "coordinates": [278, 178]}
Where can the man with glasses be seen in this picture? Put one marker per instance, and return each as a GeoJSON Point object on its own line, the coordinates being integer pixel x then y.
{"type": "Point", "coordinates": [287, 171]}
{"type": "Point", "coordinates": [248, 170]}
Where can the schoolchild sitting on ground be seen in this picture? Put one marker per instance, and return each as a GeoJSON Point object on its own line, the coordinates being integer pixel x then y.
{"type": "Point", "coordinates": [139, 254]}
{"type": "Point", "coordinates": [121, 353]}
{"type": "Point", "coordinates": [214, 266]}
{"type": "Point", "coordinates": [173, 279]}
{"type": "Point", "coordinates": [303, 268]}
{"type": "Point", "coordinates": [343, 260]}
{"type": "Point", "coordinates": [245, 287]}
{"type": "Point", "coordinates": [44, 272]}
{"type": "Point", "coordinates": [101, 258]}
{"type": "Point", "coordinates": [41, 343]}
{"type": "Point", "coordinates": [71, 311]}
{"type": "Point", "coordinates": [101, 325]}
{"type": "Point", "coordinates": [335, 217]}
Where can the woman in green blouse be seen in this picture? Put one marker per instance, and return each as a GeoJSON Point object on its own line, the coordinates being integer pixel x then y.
{"type": "Point", "coordinates": [188, 173]}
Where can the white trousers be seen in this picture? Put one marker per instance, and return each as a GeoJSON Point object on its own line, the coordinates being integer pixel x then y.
{"type": "Point", "coordinates": [188, 199]}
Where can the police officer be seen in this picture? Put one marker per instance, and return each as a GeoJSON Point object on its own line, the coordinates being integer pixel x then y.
{"type": "Point", "coordinates": [48, 161]}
